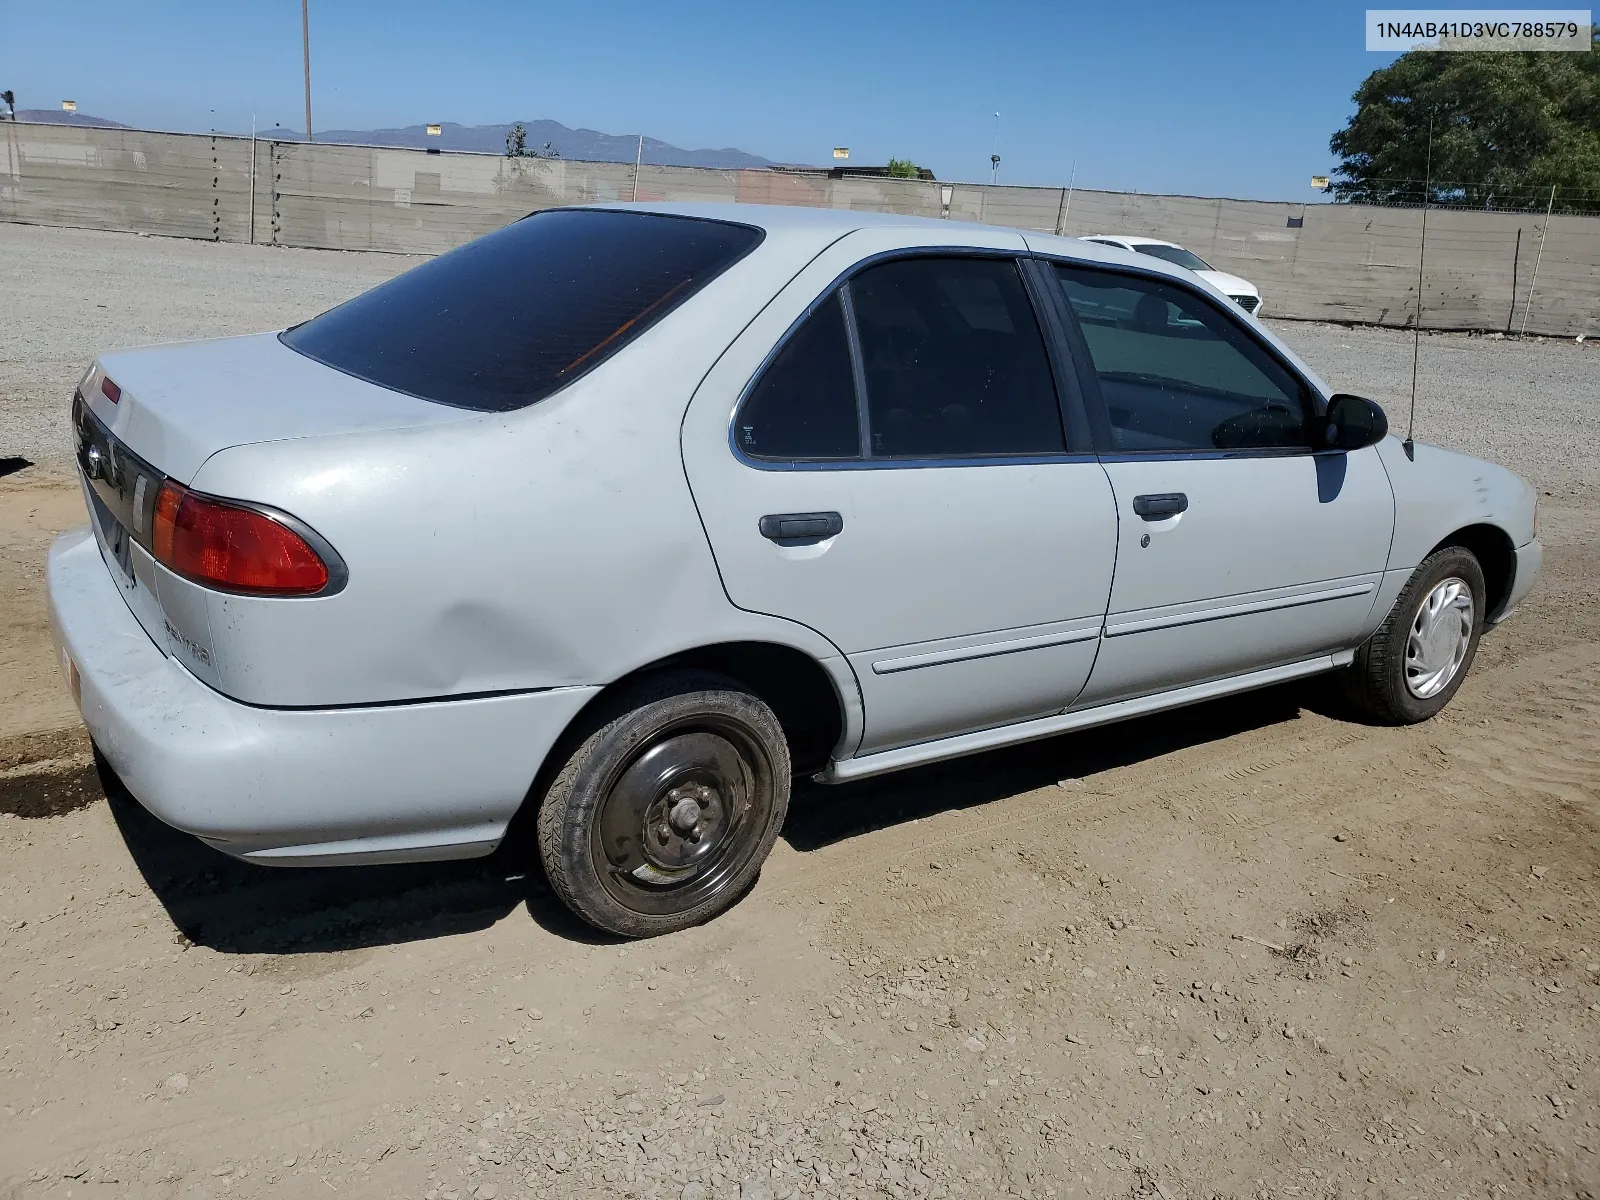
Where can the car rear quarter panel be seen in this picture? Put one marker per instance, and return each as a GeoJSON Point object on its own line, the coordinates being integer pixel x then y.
{"type": "Point", "coordinates": [553, 546]}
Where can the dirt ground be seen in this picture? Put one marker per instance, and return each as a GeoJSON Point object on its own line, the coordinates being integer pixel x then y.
{"type": "Point", "coordinates": [1252, 949]}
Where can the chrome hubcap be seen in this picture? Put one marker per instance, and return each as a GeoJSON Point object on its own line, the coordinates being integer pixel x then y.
{"type": "Point", "coordinates": [1441, 633]}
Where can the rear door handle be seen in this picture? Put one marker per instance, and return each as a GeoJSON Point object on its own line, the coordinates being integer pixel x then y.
{"type": "Point", "coordinates": [796, 527]}
{"type": "Point", "coordinates": [1160, 505]}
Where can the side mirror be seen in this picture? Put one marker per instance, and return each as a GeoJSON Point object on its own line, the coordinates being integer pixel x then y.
{"type": "Point", "coordinates": [1353, 423]}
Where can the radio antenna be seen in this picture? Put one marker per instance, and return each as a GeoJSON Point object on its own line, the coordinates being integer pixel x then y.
{"type": "Point", "coordinates": [1410, 444]}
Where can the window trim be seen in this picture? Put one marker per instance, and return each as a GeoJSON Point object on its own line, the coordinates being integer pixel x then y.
{"type": "Point", "coordinates": [1072, 409]}
{"type": "Point", "coordinates": [858, 371]}
{"type": "Point", "coordinates": [1069, 388]}
{"type": "Point", "coordinates": [1089, 379]}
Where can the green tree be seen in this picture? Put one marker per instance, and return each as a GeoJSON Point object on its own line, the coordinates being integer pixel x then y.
{"type": "Point", "coordinates": [903, 168]}
{"type": "Point", "coordinates": [1506, 127]}
{"type": "Point", "coordinates": [517, 145]}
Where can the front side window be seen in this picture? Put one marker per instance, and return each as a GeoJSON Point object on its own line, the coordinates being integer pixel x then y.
{"type": "Point", "coordinates": [1176, 374]}
{"type": "Point", "coordinates": [804, 404]}
{"type": "Point", "coordinates": [508, 319]}
{"type": "Point", "coordinates": [954, 361]}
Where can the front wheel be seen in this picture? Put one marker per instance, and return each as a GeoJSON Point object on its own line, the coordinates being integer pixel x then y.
{"type": "Point", "coordinates": [1410, 668]}
{"type": "Point", "coordinates": [662, 816]}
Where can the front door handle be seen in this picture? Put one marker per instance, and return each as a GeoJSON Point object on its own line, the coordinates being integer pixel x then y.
{"type": "Point", "coordinates": [1161, 505]}
{"type": "Point", "coordinates": [799, 527]}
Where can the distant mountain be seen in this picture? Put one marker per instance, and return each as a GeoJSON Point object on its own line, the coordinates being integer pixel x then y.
{"type": "Point", "coordinates": [54, 116]}
{"type": "Point", "coordinates": [587, 145]}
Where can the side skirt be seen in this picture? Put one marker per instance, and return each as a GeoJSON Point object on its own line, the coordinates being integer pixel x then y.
{"type": "Point", "coordinates": [844, 770]}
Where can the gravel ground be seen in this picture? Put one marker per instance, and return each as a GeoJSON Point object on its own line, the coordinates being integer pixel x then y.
{"type": "Point", "coordinates": [73, 293]}
{"type": "Point", "coordinates": [1532, 404]}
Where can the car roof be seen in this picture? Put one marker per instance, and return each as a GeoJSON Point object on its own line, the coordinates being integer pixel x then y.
{"type": "Point", "coordinates": [775, 218]}
{"type": "Point", "coordinates": [826, 225]}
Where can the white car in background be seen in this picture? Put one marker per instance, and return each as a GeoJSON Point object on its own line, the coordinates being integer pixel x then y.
{"type": "Point", "coordinates": [1241, 291]}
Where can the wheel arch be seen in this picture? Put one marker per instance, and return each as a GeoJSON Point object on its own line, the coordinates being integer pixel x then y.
{"type": "Point", "coordinates": [804, 695]}
{"type": "Point", "coordinates": [1496, 554]}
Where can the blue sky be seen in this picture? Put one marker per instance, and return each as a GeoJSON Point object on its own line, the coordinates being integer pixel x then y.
{"type": "Point", "coordinates": [1224, 98]}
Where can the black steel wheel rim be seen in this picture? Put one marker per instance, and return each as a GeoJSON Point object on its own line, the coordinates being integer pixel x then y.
{"type": "Point", "coordinates": [681, 818]}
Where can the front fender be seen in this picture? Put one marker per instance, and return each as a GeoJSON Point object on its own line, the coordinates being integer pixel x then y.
{"type": "Point", "coordinates": [1441, 492]}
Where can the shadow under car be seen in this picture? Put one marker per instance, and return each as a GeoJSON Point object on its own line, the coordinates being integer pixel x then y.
{"type": "Point", "coordinates": [243, 908]}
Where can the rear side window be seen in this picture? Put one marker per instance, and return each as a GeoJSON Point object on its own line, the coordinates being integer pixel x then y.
{"type": "Point", "coordinates": [804, 405]}
{"type": "Point", "coordinates": [954, 361]}
{"type": "Point", "coordinates": [508, 319]}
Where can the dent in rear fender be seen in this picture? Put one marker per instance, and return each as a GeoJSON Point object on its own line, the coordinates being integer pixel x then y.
{"type": "Point", "coordinates": [1442, 491]}
{"type": "Point", "coordinates": [536, 549]}
{"type": "Point", "coordinates": [531, 550]}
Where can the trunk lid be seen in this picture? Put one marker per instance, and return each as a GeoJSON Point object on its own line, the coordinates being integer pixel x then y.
{"type": "Point", "coordinates": [181, 403]}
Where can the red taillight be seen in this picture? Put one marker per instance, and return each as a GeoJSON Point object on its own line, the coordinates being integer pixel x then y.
{"type": "Point", "coordinates": [227, 546]}
{"type": "Point", "coordinates": [110, 390]}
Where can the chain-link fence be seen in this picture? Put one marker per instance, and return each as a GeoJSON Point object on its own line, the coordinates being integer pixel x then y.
{"type": "Point", "coordinates": [1485, 270]}
{"type": "Point", "coordinates": [1478, 195]}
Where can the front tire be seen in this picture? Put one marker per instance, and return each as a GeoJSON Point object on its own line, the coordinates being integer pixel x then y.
{"type": "Point", "coordinates": [662, 816]}
{"type": "Point", "coordinates": [1410, 668]}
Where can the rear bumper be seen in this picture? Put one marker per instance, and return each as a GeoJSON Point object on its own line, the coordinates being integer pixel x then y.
{"type": "Point", "coordinates": [1529, 560]}
{"type": "Point", "coordinates": [294, 787]}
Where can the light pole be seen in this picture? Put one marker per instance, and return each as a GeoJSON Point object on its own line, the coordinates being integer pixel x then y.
{"type": "Point", "coordinates": [305, 44]}
{"type": "Point", "coordinates": [994, 157]}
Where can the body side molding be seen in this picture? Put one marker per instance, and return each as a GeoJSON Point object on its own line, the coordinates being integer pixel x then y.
{"type": "Point", "coordinates": [842, 771]}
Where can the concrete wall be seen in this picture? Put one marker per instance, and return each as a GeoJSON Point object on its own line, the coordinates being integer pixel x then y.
{"type": "Point", "coordinates": [1340, 262]}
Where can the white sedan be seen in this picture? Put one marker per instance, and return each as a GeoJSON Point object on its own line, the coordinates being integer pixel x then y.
{"type": "Point", "coordinates": [617, 518]}
{"type": "Point", "coordinates": [1241, 291]}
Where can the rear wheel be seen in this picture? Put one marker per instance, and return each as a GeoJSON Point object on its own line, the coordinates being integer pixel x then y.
{"type": "Point", "coordinates": [662, 816]}
{"type": "Point", "coordinates": [1411, 667]}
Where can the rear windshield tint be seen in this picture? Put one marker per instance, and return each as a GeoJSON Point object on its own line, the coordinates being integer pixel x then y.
{"type": "Point", "coordinates": [510, 318]}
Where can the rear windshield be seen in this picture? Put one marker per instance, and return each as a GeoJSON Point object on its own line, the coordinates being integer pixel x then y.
{"type": "Point", "coordinates": [508, 319]}
{"type": "Point", "coordinates": [1175, 254]}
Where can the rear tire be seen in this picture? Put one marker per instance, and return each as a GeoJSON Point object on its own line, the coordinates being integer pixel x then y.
{"type": "Point", "coordinates": [1410, 668]}
{"type": "Point", "coordinates": [662, 815]}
